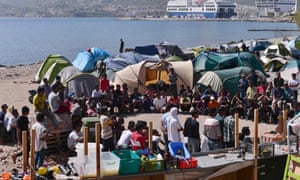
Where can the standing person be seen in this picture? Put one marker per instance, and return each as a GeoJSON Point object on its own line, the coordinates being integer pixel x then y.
{"type": "Point", "coordinates": [163, 126]}
{"type": "Point", "coordinates": [46, 87]}
{"type": "Point", "coordinates": [172, 77]}
{"type": "Point", "coordinates": [106, 131]}
{"type": "Point", "coordinates": [22, 125]}
{"type": "Point", "coordinates": [173, 126]}
{"type": "Point", "coordinates": [2, 124]}
{"type": "Point", "coordinates": [278, 80]}
{"type": "Point", "coordinates": [104, 83]}
{"type": "Point", "coordinates": [228, 129]}
{"type": "Point", "coordinates": [12, 124]}
{"type": "Point", "coordinates": [121, 46]}
{"type": "Point", "coordinates": [293, 84]}
{"type": "Point", "coordinates": [242, 85]}
{"type": "Point", "coordinates": [212, 130]}
{"type": "Point", "coordinates": [41, 135]}
{"type": "Point", "coordinates": [124, 140]}
{"type": "Point", "coordinates": [191, 131]}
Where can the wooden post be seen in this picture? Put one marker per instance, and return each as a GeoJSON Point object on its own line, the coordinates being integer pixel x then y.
{"type": "Point", "coordinates": [150, 136]}
{"type": "Point", "coordinates": [284, 118]}
{"type": "Point", "coordinates": [236, 130]}
{"type": "Point", "coordinates": [24, 148]}
{"type": "Point", "coordinates": [255, 143]}
{"type": "Point", "coordinates": [85, 140]}
{"type": "Point", "coordinates": [98, 165]}
{"type": "Point", "coordinates": [32, 154]}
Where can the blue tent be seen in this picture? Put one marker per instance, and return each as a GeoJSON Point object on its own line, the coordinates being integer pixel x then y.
{"type": "Point", "coordinates": [86, 61]}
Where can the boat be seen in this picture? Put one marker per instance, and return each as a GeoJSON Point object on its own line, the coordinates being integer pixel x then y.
{"type": "Point", "coordinates": [201, 8]}
{"type": "Point", "coordinates": [270, 8]}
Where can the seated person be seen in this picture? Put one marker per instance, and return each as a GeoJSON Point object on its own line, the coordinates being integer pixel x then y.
{"type": "Point", "coordinates": [57, 105]}
{"type": "Point", "coordinates": [136, 99]}
{"type": "Point", "coordinates": [185, 103]}
{"type": "Point", "coordinates": [75, 136]}
{"type": "Point", "coordinates": [159, 103]}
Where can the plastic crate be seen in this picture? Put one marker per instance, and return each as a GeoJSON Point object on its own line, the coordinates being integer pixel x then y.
{"type": "Point", "coordinates": [130, 162]}
{"type": "Point", "coordinates": [90, 123]}
{"type": "Point", "coordinates": [153, 165]}
{"type": "Point", "coordinates": [110, 164]}
{"type": "Point", "coordinates": [187, 163]}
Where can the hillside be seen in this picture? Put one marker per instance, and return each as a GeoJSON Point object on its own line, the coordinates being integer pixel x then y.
{"type": "Point", "coordinates": [87, 8]}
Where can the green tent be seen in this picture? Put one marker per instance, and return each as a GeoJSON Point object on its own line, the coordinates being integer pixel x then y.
{"type": "Point", "coordinates": [51, 66]}
{"type": "Point", "coordinates": [297, 43]}
{"type": "Point", "coordinates": [228, 78]}
{"type": "Point", "coordinates": [211, 61]}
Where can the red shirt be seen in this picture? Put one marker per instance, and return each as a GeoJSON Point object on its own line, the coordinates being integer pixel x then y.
{"type": "Point", "coordinates": [137, 141]}
{"type": "Point", "coordinates": [104, 84]}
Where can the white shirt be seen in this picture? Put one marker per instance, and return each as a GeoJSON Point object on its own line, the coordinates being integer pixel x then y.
{"type": "Point", "coordinates": [54, 100]}
{"type": "Point", "coordinates": [12, 122]}
{"type": "Point", "coordinates": [125, 138]}
{"type": "Point", "coordinates": [159, 102]}
{"type": "Point", "coordinates": [293, 84]}
{"type": "Point", "coordinates": [173, 126]}
{"type": "Point", "coordinates": [96, 93]}
{"type": "Point", "coordinates": [73, 139]}
{"type": "Point", "coordinates": [40, 131]}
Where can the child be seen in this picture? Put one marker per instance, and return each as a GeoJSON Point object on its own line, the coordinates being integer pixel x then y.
{"type": "Point", "coordinates": [124, 140]}
{"type": "Point", "coordinates": [75, 136]}
{"type": "Point", "coordinates": [41, 134]}
{"type": "Point", "coordinates": [156, 139]}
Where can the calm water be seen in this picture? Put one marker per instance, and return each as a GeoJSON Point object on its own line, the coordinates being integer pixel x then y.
{"type": "Point", "coordinates": [27, 40]}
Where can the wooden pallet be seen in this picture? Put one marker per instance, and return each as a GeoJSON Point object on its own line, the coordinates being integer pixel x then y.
{"type": "Point", "coordinates": [57, 141]}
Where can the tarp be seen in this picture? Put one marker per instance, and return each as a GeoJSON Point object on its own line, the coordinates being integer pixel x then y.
{"type": "Point", "coordinates": [47, 63]}
{"type": "Point", "coordinates": [86, 60]}
{"type": "Point", "coordinates": [164, 50]}
{"type": "Point", "coordinates": [146, 72]}
{"type": "Point", "coordinates": [82, 83]}
{"type": "Point", "coordinates": [289, 68]}
{"type": "Point", "coordinates": [210, 61]}
{"type": "Point", "coordinates": [276, 49]}
{"type": "Point", "coordinates": [228, 78]}
{"type": "Point", "coordinates": [118, 62]}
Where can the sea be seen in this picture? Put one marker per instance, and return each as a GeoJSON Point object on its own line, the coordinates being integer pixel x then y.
{"type": "Point", "coordinates": [28, 40]}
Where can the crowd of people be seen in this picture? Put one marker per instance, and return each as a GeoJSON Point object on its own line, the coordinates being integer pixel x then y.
{"type": "Point", "coordinates": [109, 103]}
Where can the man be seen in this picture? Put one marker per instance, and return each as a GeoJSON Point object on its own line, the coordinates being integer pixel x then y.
{"type": "Point", "coordinates": [243, 85]}
{"type": "Point", "coordinates": [106, 131]}
{"type": "Point", "coordinates": [41, 135]}
{"type": "Point", "coordinates": [212, 130]}
{"type": "Point", "coordinates": [39, 101]}
{"type": "Point", "coordinates": [278, 80]}
{"type": "Point", "coordinates": [172, 77]}
{"type": "Point", "coordinates": [75, 136]}
{"type": "Point", "coordinates": [163, 126]}
{"type": "Point", "coordinates": [293, 84]}
{"type": "Point", "coordinates": [228, 129]}
{"type": "Point", "coordinates": [121, 45]}
{"type": "Point", "coordinates": [138, 139]}
{"type": "Point", "coordinates": [56, 103]}
{"type": "Point", "coordinates": [124, 140]}
{"type": "Point", "coordinates": [191, 131]}
{"type": "Point", "coordinates": [159, 103]}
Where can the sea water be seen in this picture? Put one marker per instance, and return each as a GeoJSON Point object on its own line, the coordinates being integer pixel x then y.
{"type": "Point", "coordinates": [28, 40]}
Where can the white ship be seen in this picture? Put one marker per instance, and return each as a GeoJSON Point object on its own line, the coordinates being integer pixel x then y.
{"type": "Point", "coordinates": [201, 8]}
{"type": "Point", "coordinates": [276, 7]}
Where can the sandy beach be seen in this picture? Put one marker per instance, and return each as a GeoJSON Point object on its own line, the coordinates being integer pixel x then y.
{"type": "Point", "coordinates": [16, 81]}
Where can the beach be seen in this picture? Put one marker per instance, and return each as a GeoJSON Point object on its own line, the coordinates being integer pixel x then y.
{"type": "Point", "coordinates": [16, 81]}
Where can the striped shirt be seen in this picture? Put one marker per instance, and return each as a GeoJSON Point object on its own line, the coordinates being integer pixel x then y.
{"type": "Point", "coordinates": [106, 129]}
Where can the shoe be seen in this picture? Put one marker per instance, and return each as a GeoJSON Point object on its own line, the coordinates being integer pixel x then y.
{"type": "Point", "coordinates": [14, 158]}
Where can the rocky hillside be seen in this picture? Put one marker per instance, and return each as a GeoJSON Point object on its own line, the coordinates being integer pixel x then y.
{"type": "Point", "coordinates": [87, 8]}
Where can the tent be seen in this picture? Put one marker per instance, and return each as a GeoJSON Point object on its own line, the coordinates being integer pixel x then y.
{"type": "Point", "coordinates": [260, 45]}
{"type": "Point", "coordinates": [275, 64]}
{"type": "Point", "coordinates": [86, 60]}
{"type": "Point", "coordinates": [227, 77]}
{"type": "Point", "coordinates": [54, 69]}
{"type": "Point", "coordinates": [211, 61]}
{"type": "Point", "coordinates": [148, 72]}
{"type": "Point", "coordinates": [59, 60]}
{"type": "Point", "coordinates": [275, 49]}
{"type": "Point", "coordinates": [82, 83]}
{"type": "Point", "coordinates": [67, 72]}
{"type": "Point", "coordinates": [289, 68]}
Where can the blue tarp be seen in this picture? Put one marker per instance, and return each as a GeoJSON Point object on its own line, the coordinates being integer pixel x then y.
{"type": "Point", "coordinates": [86, 61]}
{"type": "Point", "coordinates": [122, 60]}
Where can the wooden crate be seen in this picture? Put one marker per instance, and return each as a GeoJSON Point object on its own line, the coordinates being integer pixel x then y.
{"type": "Point", "coordinates": [57, 141]}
